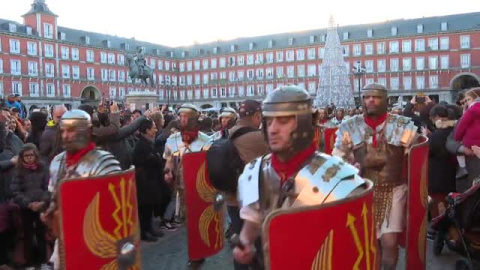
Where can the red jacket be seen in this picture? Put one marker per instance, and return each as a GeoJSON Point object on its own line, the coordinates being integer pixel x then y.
{"type": "Point", "coordinates": [468, 128]}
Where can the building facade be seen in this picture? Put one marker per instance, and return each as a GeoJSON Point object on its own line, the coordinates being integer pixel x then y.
{"type": "Point", "coordinates": [49, 64]}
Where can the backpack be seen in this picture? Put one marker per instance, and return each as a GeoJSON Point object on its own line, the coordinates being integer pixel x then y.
{"type": "Point", "coordinates": [224, 163]}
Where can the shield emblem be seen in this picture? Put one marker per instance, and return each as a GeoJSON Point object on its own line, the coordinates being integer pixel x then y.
{"type": "Point", "coordinates": [417, 205]}
{"type": "Point", "coordinates": [330, 137]}
{"type": "Point", "coordinates": [99, 222]}
{"type": "Point", "coordinates": [336, 235]}
{"type": "Point", "coordinates": [203, 208]}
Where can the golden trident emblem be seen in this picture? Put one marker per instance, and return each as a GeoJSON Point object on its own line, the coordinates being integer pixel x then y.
{"type": "Point", "coordinates": [104, 244]}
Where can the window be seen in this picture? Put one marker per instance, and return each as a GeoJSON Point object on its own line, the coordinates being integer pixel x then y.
{"type": "Point", "coordinates": [260, 73]}
{"type": "Point", "coordinates": [279, 72]}
{"type": "Point", "coordinates": [47, 30]}
{"type": "Point", "coordinates": [290, 56]}
{"type": "Point", "coordinates": [419, 45]}
{"type": "Point", "coordinates": [433, 44]}
{"type": "Point", "coordinates": [213, 76]}
{"type": "Point", "coordinates": [197, 78]}
{"type": "Point", "coordinates": [181, 67]}
{"type": "Point", "coordinates": [394, 30]}
{"type": "Point", "coordinates": [214, 93]}
{"type": "Point", "coordinates": [419, 28]}
{"type": "Point", "coordinates": [65, 71]}
{"type": "Point", "coordinates": [167, 65]}
{"type": "Point", "coordinates": [301, 71]}
{"type": "Point", "coordinates": [15, 67]}
{"type": "Point", "coordinates": [290, 71]}
{"type": "Point", "coordinates": [312, 70]}
{"type": "Point", "coordinates": [121, 60]}
{"type": "Point", "coordinates": [190, 66]}
{"type": "Point", "coordinates": [311, 53]}
{"type": "Point", "coordinates": [381, 65]}
{"type": "Point", "coordinates": [205, 63]}
{"type": "Point", "coordinates": [250, 90]}
{"type": "Point", "coordinates": [406, 46]}
{"type": "Point", "coordinates": [259, 58]}
{"type": "Point", "coordinates": [111, 58]}
{"type": "Point", "coordinates": [368, 49]}
{"type": "Point", "coordinates": [121, 92]}
{"type": "Point", "coordinates": [433, 62]}
{"type": "Point", "coordinates": [382, 81]}
{"type": "Point", "coordinates": [407, 64]}
{"type": "Point", "coordinates": [76, 72]}
{"type": "Point", "coordinates": [345, 35]}
{"type": "Point", "coordinates": [90, 56]}
{"type": "Point", "coordinates": [393, 46]}
{"type": "Point", "coordinates": [420, 63]}
{"type": "Point", "coordinates": [160, 65]}
{"type": "Point", "coordinates": [65, 53]}
{"type": "Point", "coordinates": [394, 64]}
{"type": "Point", "coordinates": [34, 89]}
{"type": "Point", "coordinates": [369, 66]}
{"type": "Point", "coordinates": [240, 75]}
{"type": "Point", "coordinates": [103, 57]}
{"type": "Point", "coordinates": [222, 62]}
{"type": "Point", "coordinates": [49, 70]}
{"type": "Point", "coordinates": [189, 80]}
{"type": "Point", "coordinates": [312, 87]}
{"type": "Point", "coordinates": [32, 48]}
{"type": "Point", "coordinates": [104, 75]}
{"type": "Point", "coordinates": [357, 49]}
{"type": "Point", "coordinates": [444, 59]}
{"type": "Point", "coordinates": [300, 55]}
{"type": "Point", "coordinates": [75, 54]}
{"type": "Point", "coordinates": [113, 92]}
{"type": "Point", "coordinates": [420, 82]}
{"type": "Point", "coordinates": [32, 68]}
{"type": "Point", "coordinates": [279, 56]}
{"type": "Point", "coordinates": [369, 33]}
{"type": "Point", "coordinates": [12, 27]}
{"type": "Point", "coordinates": [14, 46]}
{"type": "Point", "coordinates": [433, 81]}
{"type": "Point", "coordinates": [290, 41]}
{"type": "Point", "coordinates": [196, 65]}
{"type": "Point", "coordinates": [465, 60]}
{"type": "Point", "coordinates": [444, 26]}
{"type": "Point", "coordinates": [444, 43]}
{"type": "Point", "coordinates": [213, 63]}
{"type": "Point", "coordinates": [465, 42]}
{"type": "Point", "coordinates": [205, 78]}
{"type": "Point", "coordinates": [1, 89]}
{"type": "Point", "coordinates": [50, 90]}
{"type": "Point", "coordinates": [91, 74]}
{"type": "Point", "coordinates": [346, 51]}
{"type": "Point", "coordinates": [394, 83]}
{"type": "Point", "coordinates": [381, 47]}
{"type": "Point", "coordinates": [1, 69]}
{"type": "Point", "coordinates": [17, 88]}
{"type": "Point", "coordinates": [260, 90]}
{"type": "Point", "coordinates": [223, 75]}
{"type": "Point", "coordinates": [241, 60]}
{"type": "Point", "coordinates": [407, 83]}
{"type": "Point", "coordinates": [0, 44]}
{"type": "Point", "coordinates": [369, 81]}
{"type": "Point", "coordinates": [66, 90]}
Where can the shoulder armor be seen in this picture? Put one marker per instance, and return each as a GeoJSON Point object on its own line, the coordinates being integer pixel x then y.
{"type": "Point", "coordinates": [400, 130]}
{"type": "Point", "coordinates": [97, 162]}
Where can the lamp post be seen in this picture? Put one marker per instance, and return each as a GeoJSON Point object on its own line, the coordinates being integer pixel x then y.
{"type": "Point", "coordinates": [359, 71]}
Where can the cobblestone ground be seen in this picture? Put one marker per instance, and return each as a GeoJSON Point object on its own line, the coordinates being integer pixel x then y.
{"type": "Point", "coordinates": [170, 253]}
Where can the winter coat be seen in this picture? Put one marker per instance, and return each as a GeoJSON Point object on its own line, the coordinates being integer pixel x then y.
{"type": "Point", "coordinates": [441, 163]}
{"type": "Point", "coordinates": [148, 171]}
{"type": "Point", "coordinates": [468, 128]}
{"type": "Point", "coordinates": [50, 142]}
{"type": "Point", "coordinates": [13, 146]}
{"type": "Point", "coordinates": [30, 186]}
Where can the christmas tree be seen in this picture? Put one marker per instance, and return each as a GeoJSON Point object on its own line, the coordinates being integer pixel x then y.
{"type": "Point", "coordinates": [334, 87]}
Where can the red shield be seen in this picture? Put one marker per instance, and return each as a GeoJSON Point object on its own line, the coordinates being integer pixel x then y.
{"type": "Point", "coordinates": [417, 205]}
{"type": "Point", "coordinates": [330, 137]}
{"type": "Point", "coordinates": [336, 235]}
{"type": "Point", "coordinates": [99, 223]}
{"type": "Point", "coordinates": [204, 221]}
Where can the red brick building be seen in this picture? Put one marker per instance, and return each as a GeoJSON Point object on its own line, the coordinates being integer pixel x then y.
{"type": "Point", "coordinates": [50, 64]}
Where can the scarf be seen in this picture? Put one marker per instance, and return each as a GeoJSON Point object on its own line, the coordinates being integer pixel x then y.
{"type": "Point", "coordinates": [74, 158]}
{"type": "Point", "coordinates": [288, 168]}
{"type": "Point", "coordinates": [32, 167]}
{"type": "Point", "coordinates": [189, 136]}
{"type": "Point", "coordinates": [374, 123]}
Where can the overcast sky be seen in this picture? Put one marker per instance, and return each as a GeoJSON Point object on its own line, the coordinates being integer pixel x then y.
{"type": "Point", "coordinates": [183, 22]}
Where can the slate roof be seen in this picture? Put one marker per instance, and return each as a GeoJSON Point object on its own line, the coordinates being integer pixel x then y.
{"type": "Point", "coordinates": [39, 6]}
{"type": "Point", "coordinates": [405, 27]}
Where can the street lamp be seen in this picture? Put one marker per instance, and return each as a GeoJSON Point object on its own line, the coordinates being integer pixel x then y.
{"type": "Point", "coordinates": [359, 71]}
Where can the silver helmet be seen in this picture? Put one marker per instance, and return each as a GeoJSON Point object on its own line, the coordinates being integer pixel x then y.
{"type": "Point", "coordinates": [81, 122]}
{"type": "Point", "coordinates": [376, 90]}
{"type": "Point", "coordinates": [230, 114]}
{"type": "Point", "coordinates": [193, 114]}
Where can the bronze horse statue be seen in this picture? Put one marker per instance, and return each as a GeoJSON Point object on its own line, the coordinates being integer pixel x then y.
{"type": "Point", "coordinates": [135, 71]}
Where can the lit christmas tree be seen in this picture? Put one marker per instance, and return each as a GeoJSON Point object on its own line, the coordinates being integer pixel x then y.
{"type": "Point", "coordinates": [334, 85]}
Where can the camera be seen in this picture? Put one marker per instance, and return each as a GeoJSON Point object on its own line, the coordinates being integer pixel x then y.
{"type": "Point", "coordinates": [420, 99]}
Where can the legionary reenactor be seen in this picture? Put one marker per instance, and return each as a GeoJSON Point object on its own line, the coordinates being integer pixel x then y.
{"type": "Point", "coordinates": [228, 117]}
{"type": "Point", "coordinates": [294, 175]}
{"type": "Point", "coordinates": [377, 143]}
{"type": "Point", "coordinates": [80, 160]}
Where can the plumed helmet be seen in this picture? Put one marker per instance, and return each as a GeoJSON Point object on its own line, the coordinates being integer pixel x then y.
{"type": "Point", "coordinates": [291, 100]}
{"type": "Point", "coordinates": [193, 115]}
{"type": "Point", "coordinates": [376, 90]}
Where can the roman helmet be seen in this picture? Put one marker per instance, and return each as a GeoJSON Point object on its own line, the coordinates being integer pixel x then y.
{"type": "Point", "coordinates": [230, 114]}
{"type": "Point", "coordinates": [193, 115]}
{"type": "Point", "coordinates": [377, 90]}
{"type": "Point", "coordinates": [291, 100]}
{"type": "Point", "coordinates": [81, 122]}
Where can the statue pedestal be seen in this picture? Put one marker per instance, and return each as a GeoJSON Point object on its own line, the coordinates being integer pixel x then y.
{"type": "Point", "coordinates": [140, 101]}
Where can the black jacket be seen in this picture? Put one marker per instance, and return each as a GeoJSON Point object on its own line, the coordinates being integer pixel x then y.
{"type": "Point", "coordinates": [30, 186]}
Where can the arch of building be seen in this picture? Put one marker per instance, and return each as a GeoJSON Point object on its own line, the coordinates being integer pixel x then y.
{"type": "Point", "coordinates": [90, 94]}
{"type": "Point", "coordinates": [465, 80]}
{"type": "Point", "coordinates": [206, 106]}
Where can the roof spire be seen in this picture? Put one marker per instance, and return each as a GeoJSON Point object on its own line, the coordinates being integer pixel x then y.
{"type": "Point", "coordinates": [39, 6]}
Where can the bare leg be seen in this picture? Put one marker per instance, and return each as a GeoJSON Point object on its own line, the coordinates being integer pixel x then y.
{"type": "Point", "coordinates": [389, 244]}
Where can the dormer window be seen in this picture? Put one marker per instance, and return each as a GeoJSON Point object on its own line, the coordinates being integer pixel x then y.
{"type": "Point", "coordinates": [171, 54]}
{"type": "Point", "coordinates": [62, 35]}
{"type": "Point", "coordinates": [323, 38]}
{"type": "Point", "coordinates": [271, 42]}
{"type": "Point", "coordinates": [394, 30]}
{"type": "Point", "coordinates": [345, 35]}
{"type": "Point", "coordinates": [156, 52]}
{"type": "Point", "coordinates": [290, 41]}
{"type": "Point", "coordinates": [233, 47]}
{"type": "Point", "coordinates": [200, 52]}
{"type": "Point", "coordinates": [12, 27]}
{"type": "Point", "coordinates": [125, 46]}
{"type": "Point", "coordinates": [86, 40]}
{"type": "Point", "coordinates": [107, 43]}
{"type": "Point", "coordinates": [419, 28]}
{"type": "Point", "coordinates": [184, 54]}
{"type": "Point", "coordinates": [251, 46]}
{"type": "Point", "coordinates": [215, 50]}
{"type": "Point", "coordinates": [370, 33]}
{"type": "Point", "coordinates": [312, 39]}
{"type": "Point", "coordinates": [29, 30]}
{"type": "Point", "coordinates": [444, 26]}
